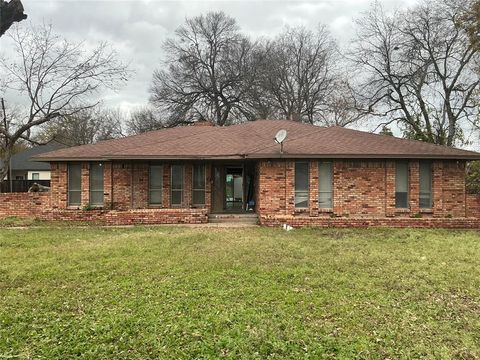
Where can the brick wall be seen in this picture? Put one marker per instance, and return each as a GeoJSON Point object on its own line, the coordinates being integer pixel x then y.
{"type": "Point", "coordinates": [363, 190]}
{"type": "Point", "coordinates": [363, 195]}
{"type": "Point", "coordinates": [24, 205]}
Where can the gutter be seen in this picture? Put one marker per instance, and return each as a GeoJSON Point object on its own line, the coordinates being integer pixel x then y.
{"type": "Point", "coordinates": [263, 156]}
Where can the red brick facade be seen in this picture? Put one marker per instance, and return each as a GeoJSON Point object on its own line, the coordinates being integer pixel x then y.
{"type": "Point", "coordinates": [363, 195]}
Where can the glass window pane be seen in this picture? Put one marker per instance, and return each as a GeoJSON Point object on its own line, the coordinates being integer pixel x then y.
{"type": "Point", "coordinates": [177, 177]}
{"type": "Point", "coordinates": [155, 196]}
{"type": "Point", "coordinates": [301, 184]}
{"type": "Point", "coordinates": [325, 179]}
{"type": "Point", "coordinates": [177, 197]}
{"type": "Point", "coordinates": [156, 176]}
{"type": "Point", "coordinates": [74, 176]}
{"type": "Point", "coordinates": [74, 197]}
{"type": "Point", "coordinates": [301, 176]}
{"type": "Point", "coordinates": [35, 176]}
{"type": "Point", "coordinates": [74, 183]}
{"type": "Point", "coordinates": [301, 199]}
{"type": "Point", "coordinates": [96, 184]}
{"type": "Point", "coordinates": [155, 183]}
{"type": "Point", "coordinates": [96, 197]}
{"type": "Point", "coordinates": [325, 200]}
{"type": "Point", "coordinates": [425, 184]}
{"type": "Point", "coordinates": [198, 197]}
{"type": "Point", "coordinates": [199, 177]}
{"type": "Point", "coordinates": [401, 184]}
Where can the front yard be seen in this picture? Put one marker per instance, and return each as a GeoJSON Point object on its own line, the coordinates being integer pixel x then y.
{"type": "Point", "coordinates": [180, 292]}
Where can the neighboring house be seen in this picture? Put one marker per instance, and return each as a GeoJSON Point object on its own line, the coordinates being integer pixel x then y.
{"type": "Point", "coordinates": [323, 176]}
{"type": "Point", "coordinates": [22, 168]}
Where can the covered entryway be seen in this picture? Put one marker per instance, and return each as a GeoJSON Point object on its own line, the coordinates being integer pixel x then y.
{"type": "Point", "coordinates": [233, 187]}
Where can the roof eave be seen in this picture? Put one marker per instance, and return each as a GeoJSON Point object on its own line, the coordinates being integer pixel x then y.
{"type": "Point", "coordinates": [365, 156]}
{"type": "Point", "coordinates": [263, 156]}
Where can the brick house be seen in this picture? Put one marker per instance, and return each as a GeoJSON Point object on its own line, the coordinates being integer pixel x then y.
{"type": "Point", "coordinates": [324, 176]}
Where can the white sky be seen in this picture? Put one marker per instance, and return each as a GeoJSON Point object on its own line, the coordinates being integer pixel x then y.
{"type": "Point", "coordinates": [137, 29]}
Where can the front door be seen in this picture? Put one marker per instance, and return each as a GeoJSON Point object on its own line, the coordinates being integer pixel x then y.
{"type": "Point", "coordinates": [234, 189]}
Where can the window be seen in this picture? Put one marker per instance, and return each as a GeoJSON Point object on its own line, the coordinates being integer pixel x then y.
{"type": "Point", "coordinates": [325, 185]}
{"type": "Point", "coordinates": [198, 186]}
{"type": "Point", "coordinates": [155, 184]}
{"type": "Point", "coordinates": [401, 184]}
{"type": "Point", "coordinates": [19, 177]}
{"type": "Point", "coordinates": [177, 185]}
{"type": "Point", "coordinates": [425, 172]}
{"type": "Point", "coordinates": [74, 183]}
{"type": "Point", "coordinates": [301, 184]}
{"type": "Point", "coordinates": [35, 176]}
{"type": "Point", "coordinates": [96, 184]}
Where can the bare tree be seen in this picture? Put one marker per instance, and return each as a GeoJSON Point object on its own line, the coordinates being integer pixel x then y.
{"type": "Point", "coordinates": [58, 78]}
{"type": "Point", "coordinates": [10, 12]}
{"type": "Point", "coordinates": [207, 73]}
{"type": "Point", "coordinates": [299, 73]}
{"type": "Point", "coordinates": [87, 126]}
{"type": "Point", "coordinates": [142, 120]}
{"type": "Point", "coordinates": [341, 107]}
{"type": "Point", "coordinates": [417, 70]}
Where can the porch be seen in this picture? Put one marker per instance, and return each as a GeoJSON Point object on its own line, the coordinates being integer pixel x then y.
{"type": "Point", "coordinates": [218, 187]}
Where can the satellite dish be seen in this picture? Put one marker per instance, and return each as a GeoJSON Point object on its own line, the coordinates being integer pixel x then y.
{"type": "Point", "coordinates": [280, 136]}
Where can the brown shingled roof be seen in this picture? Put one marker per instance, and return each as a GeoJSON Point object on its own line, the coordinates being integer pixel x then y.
{"type": "Point", "coordinates": [255, 140]}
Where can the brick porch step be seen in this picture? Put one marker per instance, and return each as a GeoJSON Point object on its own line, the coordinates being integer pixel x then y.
{"type": "Point", "coordinates": [247, 218]}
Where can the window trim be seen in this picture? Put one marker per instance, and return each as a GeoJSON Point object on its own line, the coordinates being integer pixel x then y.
{"type": "Point", "coordinates": [37, 174]}
{"type": "Point", "coordinates": [407, 163]}
{"type": "Point", "coordinates": [331, 185]}
{"type": "Point", "coordinates": [69, 203]}
{"type": "Point", "coordinates": [182, 190]}
{"type": "Point", "coordinates": [150, 188]}
{"type": "Point", "coordinates": [204, 184]}
{"type": "Point", "coordinates": [102, 190]}
{"type": "Point", "coordinates": [301, 191]}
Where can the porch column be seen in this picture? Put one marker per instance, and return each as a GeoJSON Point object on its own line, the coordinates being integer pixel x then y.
{"type": "Point", "coordinates": [85, 181]}
{"type": "Point", "coordinates": [208, 186]}
{"type": "Point", "coordinates": [313, 188]}
{"type": "Point", "coordinates": [166, 186]}
{"type": "Point", "coordinates": [437, 189]}
{"type": "Point", "coordinates": [414, 184]}
{"type": "Point", "coordinates": [107, 185]}
{"type": "Point", "coordinates": [187, 185]}
{"type": "Point", "coordinates": [390, 178]}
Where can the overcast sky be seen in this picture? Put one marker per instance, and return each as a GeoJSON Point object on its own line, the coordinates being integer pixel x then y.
{"type": "Point", "coordinates": [137, 29]}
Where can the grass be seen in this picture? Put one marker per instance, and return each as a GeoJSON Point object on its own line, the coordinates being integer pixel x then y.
{"type": "Point", "coordinates": [178, 292]}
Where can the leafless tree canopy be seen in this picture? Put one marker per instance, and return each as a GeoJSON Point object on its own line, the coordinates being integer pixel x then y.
{"type": "Point", "coordinates": [56, 77]}
{"type": "Point", "coordinates": [215, 72]}
{"type": "Point", "coordinates": [87, 126]}
{"type": "Point", "coordinates": [10, 12]}
{"type": "Point", "coordinates": [417, 68]}
{"type": "Point", "coordinates": [298, 74]}
{"type": "Point", "coordinates": [207, 71]}
{"type": "Point", "coordinates": [142, 120]}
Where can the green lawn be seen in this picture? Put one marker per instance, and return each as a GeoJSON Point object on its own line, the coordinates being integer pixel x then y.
{"type": "Point", "coordinates": [180, 292]}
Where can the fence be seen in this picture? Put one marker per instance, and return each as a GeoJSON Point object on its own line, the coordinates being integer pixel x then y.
{"type": "Point", "coordinates": [21, 185]}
